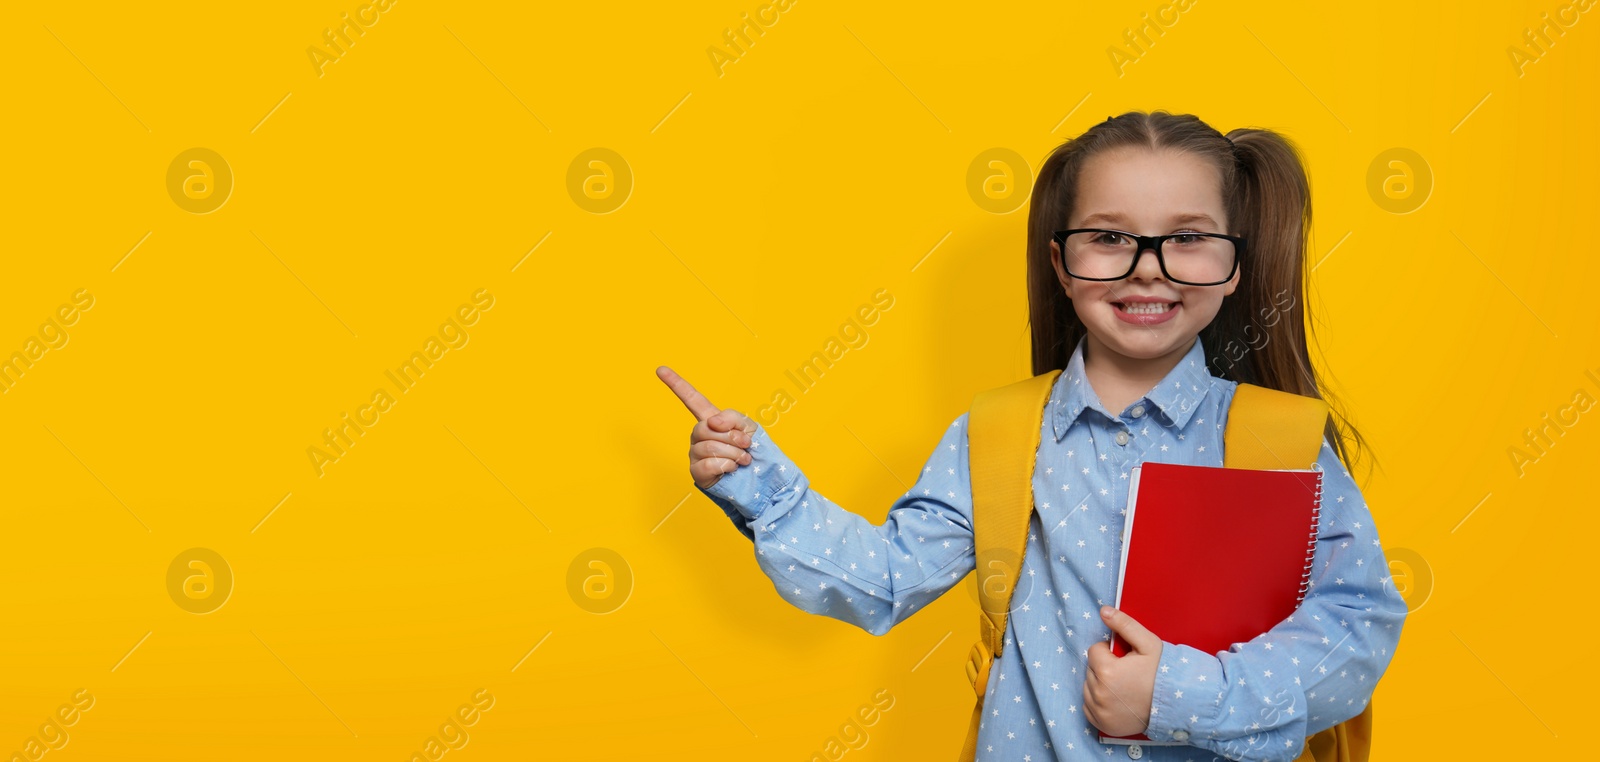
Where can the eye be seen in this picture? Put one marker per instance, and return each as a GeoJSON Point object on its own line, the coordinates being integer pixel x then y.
{"type": "Point", "coordinates": [1109, 238]}
{"type": "Point", "coordinates": [1195, 238]}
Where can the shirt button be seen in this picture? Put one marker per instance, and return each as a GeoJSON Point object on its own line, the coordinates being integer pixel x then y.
{"type": "Point", "coordinates": [1180, 735]}
{"type": "Point", "coordinates": [1137, 411]}
{"type": "Point", "coordinates": [1122, 437]}
{"type": "Point", "coordinates": [1135, 751]}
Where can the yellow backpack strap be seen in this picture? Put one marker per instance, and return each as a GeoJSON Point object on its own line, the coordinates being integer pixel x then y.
{"type": "Point", "coordinates": [1003, 428]}
{"type": "Point", "coordinates": [1269, 429]}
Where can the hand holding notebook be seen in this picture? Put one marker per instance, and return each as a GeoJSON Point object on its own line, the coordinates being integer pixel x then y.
{"type": "Point", "coordinates": [1214, 556]}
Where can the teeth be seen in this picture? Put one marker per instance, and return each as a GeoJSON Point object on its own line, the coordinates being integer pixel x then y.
{"type": "Point", "coordinates": [1145, 308]}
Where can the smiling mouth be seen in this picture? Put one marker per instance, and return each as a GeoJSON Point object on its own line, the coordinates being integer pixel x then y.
{"type": "Point", "coordinates": [1144, 308]}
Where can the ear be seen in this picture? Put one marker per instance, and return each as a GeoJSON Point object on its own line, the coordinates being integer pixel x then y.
{"type": "Point", "coordinates": [1061, 270]}
{"type": "Point", "coordinates": [1233, 283]}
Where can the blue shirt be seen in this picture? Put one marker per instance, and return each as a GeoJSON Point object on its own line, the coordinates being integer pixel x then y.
{"type": "Point", "coordinates": [1258, 700]}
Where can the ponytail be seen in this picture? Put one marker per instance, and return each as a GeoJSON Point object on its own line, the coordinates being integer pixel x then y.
{"type": "Point", "coordinates": [1271, 207]}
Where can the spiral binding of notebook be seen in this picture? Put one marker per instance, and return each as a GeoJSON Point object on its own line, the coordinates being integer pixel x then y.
{"type": "Point", "coordinates": [1311, 543]}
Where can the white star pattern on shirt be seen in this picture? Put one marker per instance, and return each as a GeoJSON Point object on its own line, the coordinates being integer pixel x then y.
{"type": "Point", "coordinates": [1332, 651]}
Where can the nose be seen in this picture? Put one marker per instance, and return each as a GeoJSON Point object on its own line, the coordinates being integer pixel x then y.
{"type": "Point", "coordinates": [1146, 268]}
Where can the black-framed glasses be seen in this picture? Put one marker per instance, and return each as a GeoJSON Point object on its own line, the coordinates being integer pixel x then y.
{"type": "Point", "coordinates": [1193, 259]}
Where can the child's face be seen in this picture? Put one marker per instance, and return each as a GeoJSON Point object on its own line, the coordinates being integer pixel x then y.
{"type": "Point", "coordinates": [1146, 192]}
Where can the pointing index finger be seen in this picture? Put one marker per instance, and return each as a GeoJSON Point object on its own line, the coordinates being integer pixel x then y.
{"type": "Point", "coordinates": [691, 398]}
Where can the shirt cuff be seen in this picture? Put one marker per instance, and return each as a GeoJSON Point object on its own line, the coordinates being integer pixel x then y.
{"type": "Point", "coordinates": [747, 491]}
{"type": "Point", "coordinates": [1187, 698]}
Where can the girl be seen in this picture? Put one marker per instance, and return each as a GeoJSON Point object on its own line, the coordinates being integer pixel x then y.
{"type": "Point", "coordinates": [1153, 336]}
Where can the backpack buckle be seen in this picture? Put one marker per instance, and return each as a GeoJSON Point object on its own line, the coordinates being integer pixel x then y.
{"type": "Point", "coordinates": [978, 661]}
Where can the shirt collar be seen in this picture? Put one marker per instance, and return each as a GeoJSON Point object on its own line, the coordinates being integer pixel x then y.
{"type": "Point", "coordinates": [1176, 396]}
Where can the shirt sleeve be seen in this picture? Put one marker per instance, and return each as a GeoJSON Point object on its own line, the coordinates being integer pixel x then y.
{"type": "Point", "coordinates": [826, 560]}
{"type": "Point", "coordinates": [1260, 700]}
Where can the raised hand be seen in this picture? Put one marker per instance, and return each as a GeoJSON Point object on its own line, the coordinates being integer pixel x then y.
{"type": "Point", "coordinates": [718, 439]}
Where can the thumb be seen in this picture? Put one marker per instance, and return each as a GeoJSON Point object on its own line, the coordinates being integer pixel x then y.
{"type": "Point", "coordinates": [1142, 640]}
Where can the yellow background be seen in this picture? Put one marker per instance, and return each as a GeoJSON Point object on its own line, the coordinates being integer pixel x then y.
{"type": "Point", "coordinates": [432, 561]}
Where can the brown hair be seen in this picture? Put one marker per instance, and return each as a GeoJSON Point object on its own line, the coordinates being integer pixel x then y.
{"type": "Point", "coordinates": [1268, 202]}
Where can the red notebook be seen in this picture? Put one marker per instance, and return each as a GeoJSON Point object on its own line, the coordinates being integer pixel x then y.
{"type": "Point", "coordinates": [1214, 556]}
